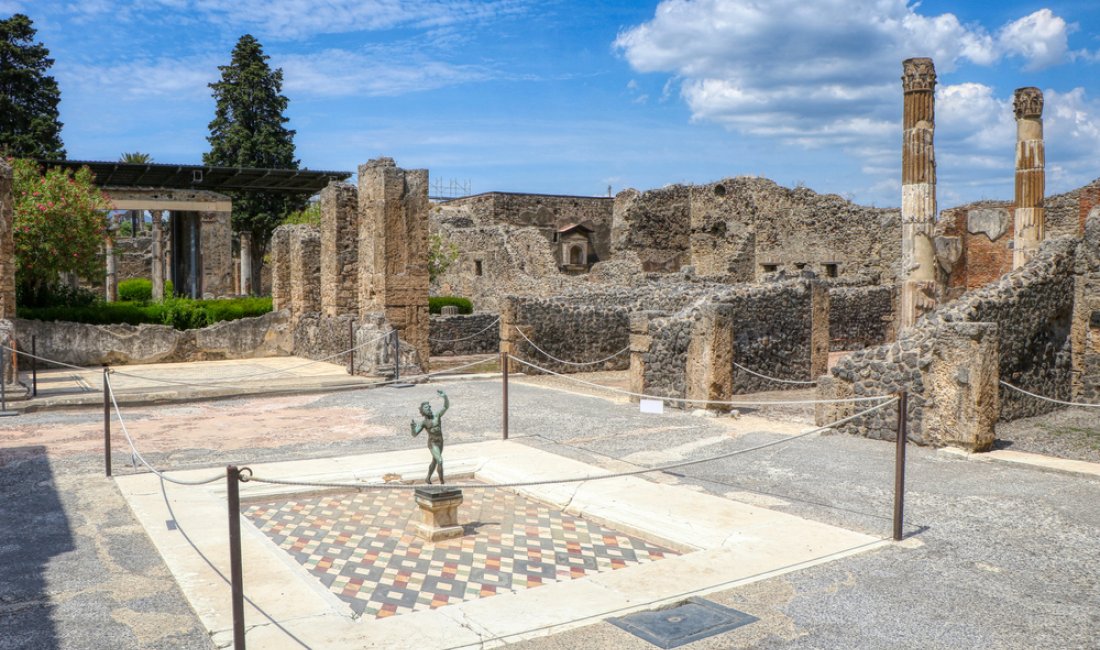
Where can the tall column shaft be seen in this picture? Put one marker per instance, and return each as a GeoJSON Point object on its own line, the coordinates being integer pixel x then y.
{"type": "Point", "coordinates": [246, 262]}
{"type": "Point", "coordinates": [158, 255]}
{"type": "Point", "coordinates": [1030, 222]}
{"type": "Point", "coordinates": [918, 190]}
{"type": "Point", "coordinates": [110, 284]}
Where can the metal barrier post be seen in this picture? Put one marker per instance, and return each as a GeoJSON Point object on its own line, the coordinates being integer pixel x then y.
{"type": "Point", "coordinates": [504, 394]}
{"type": "Point", "coordinates": [236, 574]}
{"type": "Point", "coordinates": [396, 357]}
{"type": "Point", "coordinates": [351, 347]}
{"type": "Point", "coordinates": [899, 464]}
{"type": "Point", "coordinates": [34, 366]}
{"type": "Point", "coordinates": [106, 420]}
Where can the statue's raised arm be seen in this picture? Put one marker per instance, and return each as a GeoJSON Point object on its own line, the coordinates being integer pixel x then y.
{"type": "Point", "coordinates": [446, 403]}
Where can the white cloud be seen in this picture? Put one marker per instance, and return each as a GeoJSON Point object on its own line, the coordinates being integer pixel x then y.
{"type": "Point", "coordinates": [168, 78]}
{"type": "Point", "coordinates": [341, 73]}
{"type": "Point", "coordinates": [1040, 38]}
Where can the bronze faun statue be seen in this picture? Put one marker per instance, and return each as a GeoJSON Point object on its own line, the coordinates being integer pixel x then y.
{"type": "Point", "coordinates": [433, 424]}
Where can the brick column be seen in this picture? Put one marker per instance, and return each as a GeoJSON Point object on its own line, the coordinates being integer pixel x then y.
{"type": "Point", "coordinates": [710, 357]}
{"type": "Point", "coordinates": [305, 271]}
{"type": "Point", "coordinates": [918, 191]}
{"type": "Point", "coordinates": [339, 250]}
{"type": "Point", "coordinates": [7, 243]}
{"type": "Point", "coordinates": [1030, 175]}
{"type": "Point", "coordinates": [393, 249]}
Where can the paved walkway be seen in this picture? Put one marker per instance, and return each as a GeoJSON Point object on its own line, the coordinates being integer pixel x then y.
{"type": "Point", "coordinates": [998, 555]}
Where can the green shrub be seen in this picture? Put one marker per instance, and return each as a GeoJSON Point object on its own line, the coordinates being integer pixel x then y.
{"type": "Point", "coordinates": [436, 304]}
{"type": "Point", "coordinates": [140, 290]}
{"type": "Point", "coordinates": [56, 295]}
{"type": "Point", "coordinates": [180, 313]}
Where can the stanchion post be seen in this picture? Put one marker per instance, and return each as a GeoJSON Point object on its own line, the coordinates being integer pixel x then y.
{"type": "Point", "coordinates": [899, 464]}
{"type": "Point", "coordinates": [351, 347]}
{"type": "Point", "coordinates": [504, 393]}
{"type": "Point", "coordinates": [106, 420]}
{"type": "Point", "coordinates": [236, 573]}
{"type": "Point", "coordinates": [396, 357]}
{"type": "Point", "coordinates": [3, 380]}
{"type": "Point", "coordinates": [34, 366]}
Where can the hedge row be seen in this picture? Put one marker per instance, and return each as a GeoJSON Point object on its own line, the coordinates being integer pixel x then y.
{"type": "Point", "coordinates": [180, 313]}
{"type": "Point", "coordinates": [436, 304]}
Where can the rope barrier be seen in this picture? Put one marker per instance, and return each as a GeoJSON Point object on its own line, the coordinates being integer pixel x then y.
{"type": "Point", "coordinates": [570, 363]}
{"type": "Point", "coordinates": [137, 454]}
{"type": "Point", "coordinates": [687, 400]}
{"type": "Point", "coordinates": [466, 338]}
{"type": "Point", "coordinates": [44, 359]}
{"type": "Point", "coordinates": [775, 379]}
{"type": "Point", "coordinates": [579, 479]}
{"type": "Point", "coordinates": [1047, 399]}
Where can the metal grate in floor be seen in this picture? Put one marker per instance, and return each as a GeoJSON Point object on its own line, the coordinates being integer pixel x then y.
{"type": "Point", "coordinates": [691, 620]}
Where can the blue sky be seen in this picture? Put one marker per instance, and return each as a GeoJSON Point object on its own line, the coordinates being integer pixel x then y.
{"type": "Point", "coordinates": [571, 97]}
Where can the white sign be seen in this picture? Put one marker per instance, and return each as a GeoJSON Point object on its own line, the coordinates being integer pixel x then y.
{"type": "Point", "coordinates": [652, 406]}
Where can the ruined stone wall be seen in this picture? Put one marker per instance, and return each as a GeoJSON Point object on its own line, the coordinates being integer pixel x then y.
{"type": "Point", "coordinates": [216, 247]}
{"type": "Point", "coordinates": [738, 229]}
{"type": "Point", "coordinates": [1031, 308]}
{"type": "Point", "coordinates": [322, 337]}
{"type": "Point", "coordinates": [1085, 330]}
{"type": "Point", "coordinates": [92, 345]}
{"type": "Point", "coordinates": [304, 249]}
{"type": "Point", "coordinates": [574, 333]}
{"type": "Point", "coordinates": [134, 257]}
{"type": "Point", "coordinates": [861, 317]}
{"type": "Point", "coordinates": [546, 212]}
{"type": "Point", "coordinates": [771, 333]}
{"type": "Point", "coordinates": [280, 268]}
{"type": "Point", "coordinates": [464, 334]}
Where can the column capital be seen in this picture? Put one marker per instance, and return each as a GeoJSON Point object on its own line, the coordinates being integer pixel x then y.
{"type": "Point", "coordinates": [1028, 103]}
{"type": "Point", "coordinates": [918, 75]}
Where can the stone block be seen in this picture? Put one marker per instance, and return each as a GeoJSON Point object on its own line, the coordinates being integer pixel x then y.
{"type": "Point", "coordinates": [962, 386]}
{"type": "Point", "coordinates": [992, 222]}
{"type": "Point", "coordinates": [710, 358]}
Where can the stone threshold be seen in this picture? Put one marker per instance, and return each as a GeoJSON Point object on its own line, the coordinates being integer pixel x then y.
{"type": "Point", "coordinates": [1036, 461]}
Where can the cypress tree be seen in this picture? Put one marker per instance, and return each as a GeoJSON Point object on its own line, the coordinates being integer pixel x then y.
{"type": "Point", "coordinates": [249, 130]}
{"type": "Point", "coordinates": [29, 124]}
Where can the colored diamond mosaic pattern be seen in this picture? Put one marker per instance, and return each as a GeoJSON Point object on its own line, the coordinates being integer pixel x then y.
{"type": "Point", "coordinates": [364, 549]}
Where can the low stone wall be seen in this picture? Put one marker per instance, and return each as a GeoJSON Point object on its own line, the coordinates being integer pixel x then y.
{"type": "Point", "coordinates": [1023, 321]}
{"type": "Point", "coordinates": [330, 338]}
{"type": "Point", "coordinates": [778, 330]}
{"type": "Point", "coordinates": [570, 332]}
{"type": "Point", "coordinates": [80, 344]}
{"type": "Point", "coordinates": [860, 317]}
{"type": "Point", "coordinates": [464, 334]}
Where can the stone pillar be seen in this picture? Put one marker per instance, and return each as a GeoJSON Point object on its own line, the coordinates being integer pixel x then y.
{"type": "Point", "coordinates": [640, 342]}
{"type": "Point", "coordinates": [339, 250]}
{"type": "Point", "coordinates": [918, 191]}
{"type": "Point", "coordinates": [110, 280]}
{"type": "Point", "coordinates": [7, 243]}
{"type": "Point", "coordinates": [709, 357]}
{"type": "Point", "coordinates": [1030, 175]}
{"type": "Point", "coordinates": [962, 387]}
{"type": "Point", "coordinates": [246, 262]}
{"type": "Point", "coordinates": [393, 249]}
{"type": "Point", "coordinates": [305, 271]}
{"type": "Point", "coordinates": [280, 268]}
{"type": "Point", "coordinates": [158, 255]}
{"type": "Point", "coordinates": [819, 329]}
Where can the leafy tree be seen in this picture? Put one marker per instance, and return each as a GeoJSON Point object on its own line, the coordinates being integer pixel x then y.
{"type": "Point", "coordinates": [249, 130]}
{"type": "Point", "coordinates": [59, 226]}
{"type": "Point", "coordinates": [441, 255]}
{"type": "Point", "coordinates": [309, 215]}
{"type": "Point", "coordinates": [29, 124]}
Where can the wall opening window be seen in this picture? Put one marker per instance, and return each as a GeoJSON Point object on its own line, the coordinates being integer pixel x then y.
{"type": "Point", "coordinates": [831, 270]}
{"type": "Point", "coordinates": [769, 268]}
{"type": "Point", "coordinates": [477, 267]}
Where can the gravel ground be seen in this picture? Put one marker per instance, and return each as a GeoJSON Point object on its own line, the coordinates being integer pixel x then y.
{"type": "Point", "coordinates": [997, 556]}
{"type": "Point", "coordinates": [1066, 433]}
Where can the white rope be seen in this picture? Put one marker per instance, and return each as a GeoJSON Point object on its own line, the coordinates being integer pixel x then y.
{"type": "Point", "coordinates": [579, 479]}
{"type": "Point", "coordinates": [776, 379]}
{"type": "Point", "coordinates": [701, 401]}
{"type": "Point", "coordinates": [35, 356]}
{"type": "Point", "coordinates": [466, 338]}
{"type": "Point", "coordinates": [1048, 399]}
{"type": "Point", "coordinates": [570, 363]}
{"type": "Point", "coordinates": [137, 454]}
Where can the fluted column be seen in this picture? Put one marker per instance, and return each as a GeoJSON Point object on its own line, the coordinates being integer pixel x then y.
{"type": "Point", "coordinates": [918, 190]}
{"type": "Point", "coordinates": [1030, 219]}
{"type": "Point", "coordinates": [157, 269]}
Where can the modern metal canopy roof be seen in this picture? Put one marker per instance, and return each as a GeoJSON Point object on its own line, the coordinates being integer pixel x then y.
{"type": "Point", "coordinates": [201, 177]}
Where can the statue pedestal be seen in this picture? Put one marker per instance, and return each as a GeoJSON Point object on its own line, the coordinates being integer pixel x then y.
{"type": "Point", "coordinates": [438, 513]}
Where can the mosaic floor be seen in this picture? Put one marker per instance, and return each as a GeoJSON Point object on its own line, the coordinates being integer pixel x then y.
{"type": "Point", "coordinates": [363, 548]}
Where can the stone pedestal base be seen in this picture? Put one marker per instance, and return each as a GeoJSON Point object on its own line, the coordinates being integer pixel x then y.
{"type": "Point", "coordinates": [439, 513]}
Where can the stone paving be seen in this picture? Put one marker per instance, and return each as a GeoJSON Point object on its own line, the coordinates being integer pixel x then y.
{"type": "Point", "coordinates": [364, 548]}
